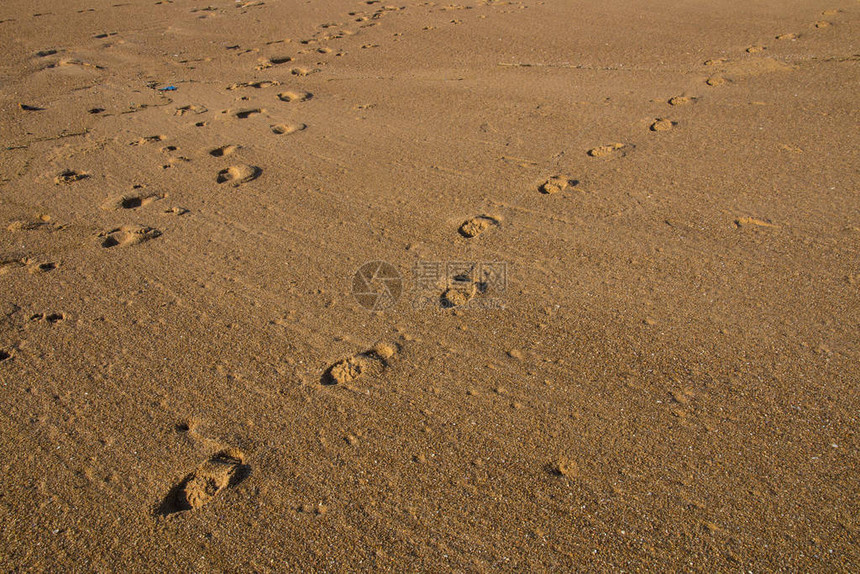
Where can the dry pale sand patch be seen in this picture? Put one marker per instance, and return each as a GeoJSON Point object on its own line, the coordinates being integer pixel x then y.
{"type": "Point", "coordinates": [343, 286]}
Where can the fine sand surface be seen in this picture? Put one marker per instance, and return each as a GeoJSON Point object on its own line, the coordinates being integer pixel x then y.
{"type": "Point", "coordinates": [625, 334]}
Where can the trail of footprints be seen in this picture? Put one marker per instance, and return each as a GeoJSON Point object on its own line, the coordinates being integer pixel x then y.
{"type": "Point", "coordinates": [228, 467]}
{"type": "Point", "coordinates": [613, 150]}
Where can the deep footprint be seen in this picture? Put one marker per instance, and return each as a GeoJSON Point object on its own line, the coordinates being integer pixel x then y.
{"type": "Point", "coordinates": [223, 150]}
{"type": "Point", "coordinates": [245, 114]}
{"type": "Point", "coordinates": [131, 201]}
{"type": "Point", "coordinates": [556, 184]}
{"type": "Point", "coordinates": [477, 225]}
{"type": "Point", "coordinates": [368, 363]}
{"type": "Point", "coordinates": [239, 174]}
{"type": "Point", "coordinates": [224, 470]}
{"type": "Point", "coordinates": [295, 96]}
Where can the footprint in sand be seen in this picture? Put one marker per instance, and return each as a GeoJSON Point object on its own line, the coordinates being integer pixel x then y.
{"type": "Point", "coordinates": [284, 129]}
{"type": "Point", "coordinates": [822, 24]}
{"type": "Point", "coordinates": [266, 63]}
{"type": "Point", "coordinates": [245, 114]}
{"type": "Point", "coordinates": [43, 267]}
{"type": "Point", "coordinates": [127, 235]}
{"type": "Point", "coordinates": [132, 200]}
{"type": "Point", "coordinates": [753, 222]}
{"type": "Point", "coordinates": [715, 81]}
{"type": "Point", "coordinates": [787, 36]}
{"type": "Point", "coordinates": [477, 225]}
{"type": "Point", "coordinates": [610, 150]}
{"type": "Point", "coordinates": [458, 296]}
{"type": "Point", "coordinates": [239, 174]}
{"type": "Point", "coordinates": [556, 184]}
{"type": "Point", "coordinates": [257, 85]}
{"type": "Point", "coordinates": [295, 96]}
{"type": "Point", "coordinates": [5, 355]}
{"type": "Point", "coordinates": [223, 150]}
{"type": "Point", "coordinates": [224, 470]}
{"type": "Point", "coordinates": [682, 100]}
{"type": "Point", "coordinates": [662, 125]}
{"type": "Point", "coordinates": [369, 363]}
{"type": "Point", "coordinates": [303, 71]}
{"type": "Point", "coordinates": [68, 176]}
{"type": "Point", "coordinates": [11, 262]}
{"type": "Point", "coordinates": [190, 109]}
{"type": "Point", "coordinates": [755, 49]}
{"type": "Point", "coordinates": [42, 222]}
{"type": "Point", "coordinates": [148, 140]}
{"type": "Point", "coordinates": [50, 318]}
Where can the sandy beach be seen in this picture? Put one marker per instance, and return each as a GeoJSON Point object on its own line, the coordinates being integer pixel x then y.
{"type": "Point", "coordinates": [516, 286]}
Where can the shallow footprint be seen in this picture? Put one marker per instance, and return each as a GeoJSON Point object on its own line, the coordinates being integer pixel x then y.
{"type": "Point", "coordinates": [147, 140]}
{"type": "Point", "coordinates": [239, 174]}
{"type": "Point", "coordinates": [681, 100]}
{"type": "Point", "coordinates": [70, 176]}
{"type": "Point", "coordinates": [225, 469]}
{"type": "Point", "coordinates": [555, 184]}
{"type": "Point", "coordinates": [609, 150]}
{"type": "Point", "coordinates": [284, 129]}
{"type": "Point", "coordinates": [128, 235]}
{"type": "Point", "coordinates": [662, 125]}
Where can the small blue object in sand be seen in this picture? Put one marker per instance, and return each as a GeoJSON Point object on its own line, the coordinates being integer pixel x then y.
{"type": "Point", "coordinates": [168, 89]}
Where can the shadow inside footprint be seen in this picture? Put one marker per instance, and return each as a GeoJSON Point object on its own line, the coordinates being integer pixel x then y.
{"type": "Point", "coordinates": [245, 114]}
{"type": "Point", "coordinates": [131, 201]}
{"type": "Point", "coordinates": [371, 362]}
{"type": "Point", "coordinates": [296, 96]}
{"type": "Point", "coordinates": [224, 470]}
{"type": "Point", "coordinates": [128, 235]}
{"type": "Point", "coordinates": [239, 174]}
{"type": "Point", "coordinates": [477, 225]}
{"type": "Point", "coordinates": [223, 150]}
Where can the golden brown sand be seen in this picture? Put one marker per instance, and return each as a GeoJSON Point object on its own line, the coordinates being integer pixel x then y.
{"type": "Point", "coordinates": [643, 355]}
